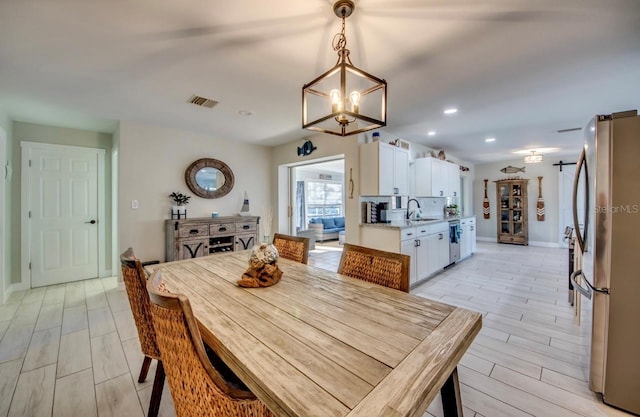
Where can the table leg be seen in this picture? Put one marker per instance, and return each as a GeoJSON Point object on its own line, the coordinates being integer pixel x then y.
{"type": "Point", "coordinates": [450, 392]}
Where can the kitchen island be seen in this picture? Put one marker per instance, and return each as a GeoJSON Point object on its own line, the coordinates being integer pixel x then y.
{"type": "Point", "coordinates": [425, 241]}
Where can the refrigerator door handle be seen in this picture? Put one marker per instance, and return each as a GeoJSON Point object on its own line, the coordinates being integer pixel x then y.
{"type": "Point", "coordinates": [576, 181]}
{"type": "Point", "coordinates": [589, 289]}
{"type": "Point", "coordinates": [586, 291]}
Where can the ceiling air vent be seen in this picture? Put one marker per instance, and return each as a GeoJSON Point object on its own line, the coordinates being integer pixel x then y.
{"type": "Point", "coordinates": [202, 101]}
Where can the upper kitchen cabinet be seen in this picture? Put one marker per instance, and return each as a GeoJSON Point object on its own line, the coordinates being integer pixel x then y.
{"type": "Point", "coordinates": [384, 169]}
{"type": "Point", "coordinates": [436, 178]}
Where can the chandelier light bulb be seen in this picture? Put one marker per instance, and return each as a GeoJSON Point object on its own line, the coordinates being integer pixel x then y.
{"type": "Point", "coordinates": [355, 101]}
{"type": "Point", "coordinates": [334, 95]}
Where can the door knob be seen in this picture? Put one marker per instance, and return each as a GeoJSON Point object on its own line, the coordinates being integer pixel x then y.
{"type": "Point", "coordinates": [91, 222]}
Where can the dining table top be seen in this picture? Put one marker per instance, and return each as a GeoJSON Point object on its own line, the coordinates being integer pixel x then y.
{"type": "Point", "coordinates": [321, 344]}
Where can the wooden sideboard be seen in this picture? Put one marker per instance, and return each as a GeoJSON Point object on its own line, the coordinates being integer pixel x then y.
{"type": "Point", "coordinates": [191, 238]}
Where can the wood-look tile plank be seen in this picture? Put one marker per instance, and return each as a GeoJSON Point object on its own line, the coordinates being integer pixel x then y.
{"type": "Point", "coordinates": [167, 408]}
{"type": "Point", "coordinates": [101, 322]}
{"type": "Point", "coordinates": [43, 349]}
{"type": "Point", "coordinates": [54, 294]}
{"type": "Point", "coordinates": [4, 325]}
{"type": "Point", "coordinates": [15, 341]}
{"type": "Point", "coordinates": [108, 358]}
{"type": "Point", "coordinates": [118, 300]}
{"type": "Point", "coordinates": [574, 385]}
{"type": "Point", "coordinates": [552, 394]}
{"type": "Point", "coordinates": [134, 356]}
{"type": "Point", "coordinates": [75, 396]}
{"type": "Point", "coordinates": [504, 392]}
{"type": "Point", "coordinates": [125, 324]}
{"type": "Point", "coordinates": [74, 295]}
{"type": "Point", "coordinates": [574, 358]}
{"type": "Point", "coordinates": [117, 397]}
{"type": "Point", "coordinates": [33, 396]}
{"type": "Point", "coordinates": [75, 353]}
{"type": "Point", "coordinates": [488, 405]}
{"type": "Point", "coordinates": [8, 310]}
{"type": "Point", "coordinates": [9, 373]}
{"type": "Point", "coordinates": [34, 295]}
{"type": "Point", "coordinates": [50, 316]}
{"type": "Point", "coordinates": [74, 319]}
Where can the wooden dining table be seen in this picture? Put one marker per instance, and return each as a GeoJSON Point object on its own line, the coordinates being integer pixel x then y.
{"type": "Point", "coordinates": [321, 344]}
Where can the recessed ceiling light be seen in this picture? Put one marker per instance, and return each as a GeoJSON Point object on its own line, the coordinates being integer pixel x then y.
{"type": "Point", "coordinates": [431, 133]}
{"type": "Point", "coordinates": [452, 110]}
{"type": "Point", "coordinates": [245, 113]}
{"type": "Point", "coordinates": [490, 140]}
{"type": "Point", "coordinates": [593, 128]}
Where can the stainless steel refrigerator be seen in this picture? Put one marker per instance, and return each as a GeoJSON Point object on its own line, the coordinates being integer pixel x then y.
{"type": "Point", "coordinates": [609, 171]}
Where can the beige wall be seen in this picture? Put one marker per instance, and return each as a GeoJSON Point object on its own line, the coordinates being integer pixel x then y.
{"type": "Point", "coordinates": [151, 164]}
{"type": "Point", "coordinates": [59, 136]}
{"type": "Point", "coordinates": [539, 231]}
{"type": "Point", "coordinates": [6, 125]}
{"type": "Point", "coordinates": [328, 146]}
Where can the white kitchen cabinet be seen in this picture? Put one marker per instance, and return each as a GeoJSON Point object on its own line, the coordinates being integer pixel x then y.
{"type": "Point", "coordinates": [384, 169]}
{"type": "Point", "coordinates": [453, 180]}
{"type": "Point", "coordinates": [436, 178]}
{"type": "Point", "coordinates": [408, 247]}
{"type": "Point", "coordinates": [467, 237]}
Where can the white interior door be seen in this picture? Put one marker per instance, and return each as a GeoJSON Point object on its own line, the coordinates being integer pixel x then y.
{"type": "Point", "coordinates": [63, 197]}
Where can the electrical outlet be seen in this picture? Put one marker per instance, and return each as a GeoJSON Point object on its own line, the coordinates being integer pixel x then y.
{"type": "Point", "coordinates": [134, 204]}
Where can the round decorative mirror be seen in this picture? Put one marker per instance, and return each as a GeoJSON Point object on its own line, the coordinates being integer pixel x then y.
{"type": "Point", "coordinates": [209, 178]}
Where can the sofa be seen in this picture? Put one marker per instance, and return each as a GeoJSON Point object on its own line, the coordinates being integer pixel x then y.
{"type": "Point", "coordinates": [326, 228]}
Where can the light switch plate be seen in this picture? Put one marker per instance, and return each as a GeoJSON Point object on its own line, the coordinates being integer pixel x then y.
{"type": "Point", "coordinates": [134, 204]}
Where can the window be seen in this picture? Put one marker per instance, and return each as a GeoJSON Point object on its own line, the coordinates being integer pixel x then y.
{"type": "Point", "coordinates": [324, 198]}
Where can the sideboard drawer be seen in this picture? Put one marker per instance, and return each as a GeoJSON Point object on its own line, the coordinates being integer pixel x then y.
{"type": "Point", "coordinates": [222, 229]}
{"type": "Point", "coordinates": [246, 227]}
{"type": "Point", "coordinates": [193, 230]}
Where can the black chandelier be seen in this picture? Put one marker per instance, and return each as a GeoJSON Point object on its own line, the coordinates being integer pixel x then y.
{"type": "Point", "coordinates": [344, 100]}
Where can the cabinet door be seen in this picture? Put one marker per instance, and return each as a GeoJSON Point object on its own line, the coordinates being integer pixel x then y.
{"type": "Point", "coordinates": [386, 169]}
{"type": "Point", "coordinates": [245, 241]}
{"type": "Point", "coordinates": [453, 181]}
{"type": "Point", "coordinates": [408, 247]}
{"type": "Point", "coordinates": [432, 253]}
{"type": "Point", "coordinates": [422, 170]}
{"type": "Point", "coordinates": [439, 179]}
{"type": "Point", "coordinates": [443, 249]}
{"type": "Point", "coordinates": [465, 241]}
{"type": "Point", "coordinates": [193, 248]}
{"type": "Point", "coordinates": [473, 237]}
{"type": "Point", "coordinates": [401, 171]}
{"type": "Point", "coordinates": [422, 258]}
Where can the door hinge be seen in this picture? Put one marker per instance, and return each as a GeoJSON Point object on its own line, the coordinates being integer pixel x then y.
{"type": "Point", "coordinates": [29, 265]}
{"type": "Point", "coordinates": [29, 162]}
{"type": "Point", "coordinates": [29, 213]}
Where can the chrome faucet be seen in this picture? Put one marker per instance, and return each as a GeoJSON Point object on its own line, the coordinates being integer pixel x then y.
{"type": "Point", "coordinates": [408, 204]}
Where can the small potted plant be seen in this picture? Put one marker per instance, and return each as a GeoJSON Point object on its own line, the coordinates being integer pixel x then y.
{"type": "Point", "coordinates": [452, 210]}
{"type": "Point", "coordinates": [181, 200]}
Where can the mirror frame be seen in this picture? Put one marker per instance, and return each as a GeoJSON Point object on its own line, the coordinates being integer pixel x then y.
{"type": "Point", "coordinates": [190, 177]}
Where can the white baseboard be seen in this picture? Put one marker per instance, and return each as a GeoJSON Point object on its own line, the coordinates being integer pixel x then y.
{"type": "Point", "coordinates": [531, 242]}
{"type": "Point", "coordinates": [19, 286]}
{"type": "Point", "coordinates": [544, 244]}
{"type": "Point", "coordinates": [106, 273]}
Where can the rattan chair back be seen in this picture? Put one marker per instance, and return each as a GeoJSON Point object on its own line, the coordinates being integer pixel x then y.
{"type": "Point", "coordinates": [379, 267]}
{"type": "Point", "coordinates": [197, 388]}
{"type": "Point", "coordinates": [295, 248]}
{"type": "Point", "coordinates": [135, 281]}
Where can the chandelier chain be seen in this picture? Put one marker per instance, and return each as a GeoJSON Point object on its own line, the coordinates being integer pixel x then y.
{"type": "Point", "coordinates": [340, 39]}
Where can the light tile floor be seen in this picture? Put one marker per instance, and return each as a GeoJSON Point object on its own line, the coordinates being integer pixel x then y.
{"type": "Point", "coordinates": [72, 350]}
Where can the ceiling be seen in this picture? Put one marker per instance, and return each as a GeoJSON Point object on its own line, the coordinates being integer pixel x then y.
{"type": "Point", "coordinates": [517, 70]}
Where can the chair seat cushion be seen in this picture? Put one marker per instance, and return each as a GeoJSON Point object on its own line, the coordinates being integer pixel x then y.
{"type": "Point", "coordinates": [328, 223]}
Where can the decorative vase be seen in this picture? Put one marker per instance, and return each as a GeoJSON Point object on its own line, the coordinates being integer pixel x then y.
{"type": "Point", "coordinates": [178, 212]}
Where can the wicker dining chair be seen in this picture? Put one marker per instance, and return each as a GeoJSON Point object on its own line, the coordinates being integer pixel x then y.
{"type": "Point", "coordinates": [384, 268]}
{"type": "Point", "coordinates": [135, 281]}
{"type": "Point", "coordinates": [197, 387]}
{"type": "Point", "coordinates": [295, 248]}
